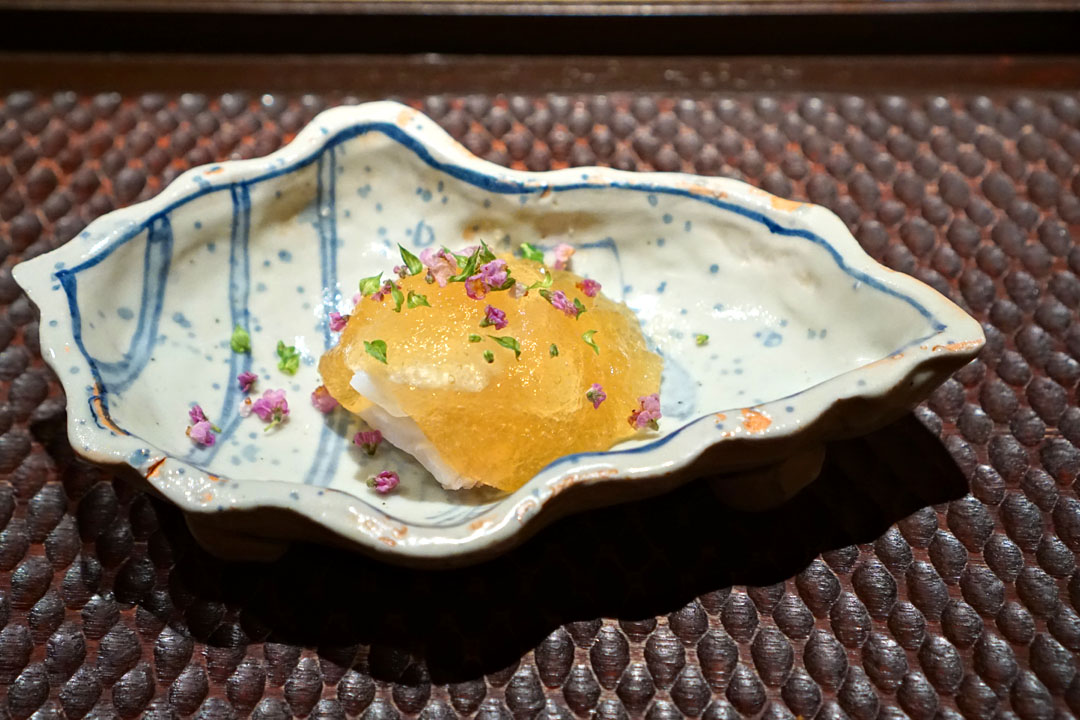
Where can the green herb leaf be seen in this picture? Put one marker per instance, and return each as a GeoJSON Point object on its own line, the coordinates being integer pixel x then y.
{"type": "Point", "coordinates": [544, 282]}
{"type": "Point", "coordinates": [579, 307]}
{"type": "Point", "coordinates": [486, 255]}
{"type": "Point", "coordinates": [416, 300]}
{"type": "Point", "coordinates": [531, 253]}
{"type": "Point", "coordinates": [509, 283]}
{"type": "Point", "coordinates": [475, 338]}
{"type": "Point", "coordinates": [240, 342]}
{"type": "Point", "coordinates": [468, 269]}
{"type": "Point", "coordinates": [376, 349]}
{"type": "Point", "coordinates": [461, 259]}
{"type": "Point", "coordinates": [489, 356]}
{"type": "Point", "coordinates": [701, 338]}
{"type": "Point", "coordinates": [553, 351]}
{"type": "Point", "coordinates": [398, 296]}
{"type": "Point", "coordinates": [288, 358]}
{"type": "Point", "coordinates": [587, 336]}
{"type": "Point", "coordinates": [509, 343]}
{"type": "Point", "coordinates": [370, 285]}
{"type": "Point", "coordinates": [411, 261]}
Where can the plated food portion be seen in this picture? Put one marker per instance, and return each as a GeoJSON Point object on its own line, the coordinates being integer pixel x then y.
{"type": "Point", "coordinates": [486, 369]}
{"type": "Point", "coordinates": [546, 343]}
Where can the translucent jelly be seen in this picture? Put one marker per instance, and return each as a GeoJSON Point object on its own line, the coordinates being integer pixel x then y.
{"type": "Point", "coordinates": [471, 409]}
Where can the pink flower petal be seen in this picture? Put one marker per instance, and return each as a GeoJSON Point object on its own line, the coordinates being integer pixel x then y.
{"type": "Point", "coordinates": [202, 433]}
{"type": "Point", "coordinates": [589, 287]}
{"type": "Point", "coordinates": [323, 401]}
{"type": "Point", "coordinates": [247, 380]}
{"type": "Point", "coordinates": [563, 253]}
{"type": "Point", "coordinates": [385, 481]}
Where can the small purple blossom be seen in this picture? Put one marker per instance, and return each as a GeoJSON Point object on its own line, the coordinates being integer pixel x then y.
{"type": "Point", "coordinates": [494, 274]}
{"type": "Point", "coordinates": [272, 407]}
{"type": "Point", "coordinates": [563, 253]}
{"type": "Point", "coordinates": [323, 401]}
{"type": "Point", "coordinates": [596, 395]}
{"type": "Point", "coordinates": [494, 316]}
{"type": "Point", "coordinates": [247, 380]}
{"type": "Point", "coordinates": [202, 433]}
{"type": "Point", "coordinates": [440, 264]}
{"type": "Point", "coordinates": [647, 414]}
{"type": "Point", "coordinates": [196, 414]}
{"type": "Point", "coordinates": [559, 300]}
{"type": "Point", "coordinates": [384, 482]}
{"type": "Point", "coordinates": [475, 288]}
{"type": "Point", "coordinates": [356, 298]}
{"type": "Point", "coordinates": [401, 271]}
{"type": "Point", "coordinates": [368, 440]}
{"type": "Point", "coordinates": [383, 291]}
{"type": "Point", "coordinates": [589, 287]}
{"type": "Point", "coordinates": [338, 321]}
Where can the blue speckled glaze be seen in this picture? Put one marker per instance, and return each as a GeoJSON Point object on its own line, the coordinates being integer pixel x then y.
{"type": "Point", "coordinates": [300, 232]}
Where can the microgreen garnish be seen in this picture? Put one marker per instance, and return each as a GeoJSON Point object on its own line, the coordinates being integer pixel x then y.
{"type": "Point", "coordinates": [468, 268]}
{"type": "Point", "coordinates": [376, 349]}
{"type": "Point", "coordinates": [553, 351]}
{"type": "Point", "coordinates": [288, 358]}
{"type": "Point", "coordinates": [475, 338]}
{"type": "Point", "coordinates": [509, 343]}
{"type": "Point", "coordinates": [486, 255]}
{"type": "Point", "coordinates": [544, 282]}
{"type": "Point", "coordinates": [416, 300]}
{"type": "Point", "coordinates": [489, 356]}
{"type": "Point", "coordinates": [531, 253]}
{"type": "Point", "coordinates": [240, 342]}
{"type": "Point", "coordinates": [587, 336]}
{"type": "Point", "coordinates": [370, 285]}
{"type": "Point", "coordinates": [412, 263]}
{"type": "Point", "coordinates": [579, 307]}
{"type": "Point", "coordinates": [398, 296]}
{"type": "Point", "coordinates": [701, 338]}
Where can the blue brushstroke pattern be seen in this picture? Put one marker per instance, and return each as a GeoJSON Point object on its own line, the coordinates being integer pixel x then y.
{"type": "Point", "coordinates": [239, 289]}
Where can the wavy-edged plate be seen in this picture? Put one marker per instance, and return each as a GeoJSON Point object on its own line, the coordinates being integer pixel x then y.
{"type": "Point", "coordinates": [810, 338]}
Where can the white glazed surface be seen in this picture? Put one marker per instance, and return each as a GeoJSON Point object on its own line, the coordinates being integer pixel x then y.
{"type": "Point", "coordinates": [137, 313]}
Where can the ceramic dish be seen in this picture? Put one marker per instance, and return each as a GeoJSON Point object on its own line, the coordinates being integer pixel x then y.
{"type": "Point", "coordinates": [810, 339]}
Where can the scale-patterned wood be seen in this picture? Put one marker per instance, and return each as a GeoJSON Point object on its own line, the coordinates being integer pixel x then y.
{"type": "Point", "coordinates": [903, 583]}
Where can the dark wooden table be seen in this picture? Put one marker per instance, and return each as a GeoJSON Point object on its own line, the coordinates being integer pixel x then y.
{"type": "Point", "coordinates": [930, 573]}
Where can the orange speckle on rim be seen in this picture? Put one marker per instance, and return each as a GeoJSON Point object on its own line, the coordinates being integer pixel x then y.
{"type": "Point", "coordinates": [755, 421]}
{"type": "Point", "coordinates": [388, 541]}
{"type": "Point", "coordinates": [958, 346]}
{"type": "Point", "coordinates": [720, 417]}
{"type": "Point", "coordinates": [405, 116]}
{"type": "Point", "coordinates": [206, 497]}
{"type": "Point", "coordinates": [784, 205]}
{"type": "Point", "coordinates": [214, 171]}
{"type": "Point", "coordinates": [154, 468]}
{"type": "Point", "coordinates": [102, 415]}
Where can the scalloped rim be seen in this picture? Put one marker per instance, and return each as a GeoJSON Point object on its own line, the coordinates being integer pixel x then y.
{"type": "Point", "coordinates": [895, 382]}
